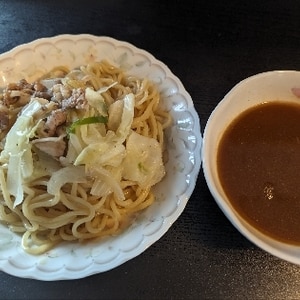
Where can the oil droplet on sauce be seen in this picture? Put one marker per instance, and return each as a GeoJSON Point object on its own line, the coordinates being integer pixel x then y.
{"type": "Point", "coordinates": [269, 191]}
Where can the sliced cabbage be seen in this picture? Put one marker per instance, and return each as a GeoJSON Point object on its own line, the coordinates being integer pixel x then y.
{"type": "Point", "coordinates": [96, 100]}
{"type": "Point", "coordinates": [17, 150]}
{"type": "Point", "coordinates": [63, 176]}
{"type": "Point", "coordinates": [43, 166]}
{"type": "Point", "coordinates": [106, 181]}
{"type": "Point", "coordinates": [143, 162]}
{"type": "Point", "coordinates": [74, 148]}
{"type": "Point", "coordinates": [127, 118]}
{"type": "Point", "coordinates": [101, 154]}
{"type": "Point", "coordinates": [92, 133]}
{"type": "Point", "coordinates": [14, 178]}
{"type": "Point", "coordinates": [115, 115]}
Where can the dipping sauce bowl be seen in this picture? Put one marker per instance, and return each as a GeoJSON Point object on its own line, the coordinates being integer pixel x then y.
{"type": "Point", "coordinates": [263, 210]}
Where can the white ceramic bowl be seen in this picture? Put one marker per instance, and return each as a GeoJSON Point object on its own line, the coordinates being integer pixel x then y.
{"type": "Point", "coordinates": [268, 86]}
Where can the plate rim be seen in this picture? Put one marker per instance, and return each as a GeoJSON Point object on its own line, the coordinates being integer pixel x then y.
{"type": "Point", "coordinates": [89, 270]}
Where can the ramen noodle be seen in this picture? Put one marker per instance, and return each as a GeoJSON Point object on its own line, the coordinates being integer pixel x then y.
{"type": "Point", "coordinates": [81, 150]}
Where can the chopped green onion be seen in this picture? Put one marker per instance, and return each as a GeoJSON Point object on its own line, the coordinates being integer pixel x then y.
{"type": "Point", "coordinates": [142, 168]}
{"type": "Point", "coordinates": [85, 121]}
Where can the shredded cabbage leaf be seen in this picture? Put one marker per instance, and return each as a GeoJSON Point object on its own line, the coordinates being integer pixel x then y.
{"type": "Point", "coordinates": [96, 100]}
{"type": "Point", "coordinates": [143, 162]}
{"type": "Point", "coordinates": [64, 175]}
{"type": "Point", "coordinates": [17, 150]}
{"type": "Point", "coordinates": [127, 118]}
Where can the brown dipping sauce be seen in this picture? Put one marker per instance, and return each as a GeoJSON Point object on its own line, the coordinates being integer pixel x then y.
{"type": "Point", "coordinates": [259, 168]}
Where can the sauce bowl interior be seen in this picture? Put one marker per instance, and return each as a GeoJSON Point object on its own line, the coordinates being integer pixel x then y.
{"type": "Point", "coordinates": [257, 89]}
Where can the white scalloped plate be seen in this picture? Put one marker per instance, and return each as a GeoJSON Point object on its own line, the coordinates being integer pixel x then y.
{"type": "Point", "coordinates": [74, 260]}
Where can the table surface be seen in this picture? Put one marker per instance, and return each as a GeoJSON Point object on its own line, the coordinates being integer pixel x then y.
{"type": "Point", "coordinates": [210, 46]}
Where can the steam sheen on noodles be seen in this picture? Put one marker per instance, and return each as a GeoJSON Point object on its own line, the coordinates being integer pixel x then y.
{"type": "Point", "coordinates": [80, 152]}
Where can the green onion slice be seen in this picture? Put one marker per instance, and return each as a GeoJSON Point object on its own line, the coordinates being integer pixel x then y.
{"type": "Point", "coordinates": [85, 121]}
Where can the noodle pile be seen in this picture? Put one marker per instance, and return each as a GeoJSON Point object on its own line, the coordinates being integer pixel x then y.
{"type": "Point", "coordinates": [107, 133]}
